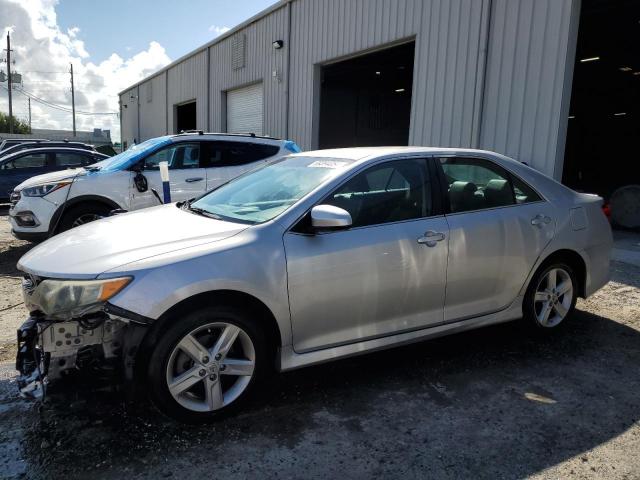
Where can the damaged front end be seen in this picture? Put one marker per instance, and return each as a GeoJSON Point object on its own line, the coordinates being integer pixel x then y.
{"type": "Point", "coordinates": [73, 328]}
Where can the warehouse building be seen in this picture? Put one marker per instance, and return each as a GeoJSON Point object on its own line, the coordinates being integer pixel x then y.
{"type": "Point", "coordinates": [553, 83]}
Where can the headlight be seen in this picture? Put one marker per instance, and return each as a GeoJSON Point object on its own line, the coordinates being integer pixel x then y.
{"type": "Point", "coordinates": [45, 189]}
{"type": "Point", "coordinates": [72, 298]}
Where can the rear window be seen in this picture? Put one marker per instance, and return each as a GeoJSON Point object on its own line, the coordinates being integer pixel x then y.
{"type": "Point", "coordinates": [228, 154]}
{"type": "Point", "coordinates": [70, 159]}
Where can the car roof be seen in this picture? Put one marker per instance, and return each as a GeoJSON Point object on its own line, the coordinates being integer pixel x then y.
{"type": "Point", "coordinates": [51, 149]}
{"type": "Point", "coordinates": [370, 153]}
{"type": "Point", "coordinates": [46, 144]}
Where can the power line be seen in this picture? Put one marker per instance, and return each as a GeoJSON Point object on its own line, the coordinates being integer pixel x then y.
{"type": "Point", "coordinates": [56, 106]}
{"type": "Point", "coordinates": [33, 71]}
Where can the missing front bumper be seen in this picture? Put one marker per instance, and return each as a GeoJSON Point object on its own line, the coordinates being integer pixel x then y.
{"type": "Point", "coordinates": [48, 350]}
{"type": "Point", "coordinates": [30, 361]}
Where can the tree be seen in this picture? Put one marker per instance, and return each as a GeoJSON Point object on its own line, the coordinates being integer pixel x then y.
{"type": "Point", "coordinates": [18, 125]}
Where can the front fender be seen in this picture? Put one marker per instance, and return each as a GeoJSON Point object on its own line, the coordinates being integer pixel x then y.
{"type": "Point", "coordinates": [248, 263]}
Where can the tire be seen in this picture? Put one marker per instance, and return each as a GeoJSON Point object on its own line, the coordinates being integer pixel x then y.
{"type": "Point", "coordinates": [81, 214]}
{"type": "Point", "coordinates": [202, 391]}
{"type": "Point", "coordinates": [540, 298]}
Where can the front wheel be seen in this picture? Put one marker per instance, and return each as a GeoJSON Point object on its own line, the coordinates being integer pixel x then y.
{"type": "Point", "coordinates": [207, 364]}
{"type": "Point", "coordinates": [81, 214]}
{"type": "Point", "coordinates": [551, 297]}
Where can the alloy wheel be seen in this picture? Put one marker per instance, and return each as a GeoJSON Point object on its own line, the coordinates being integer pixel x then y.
{"type": "Point", "coordinates": [86, 218]}
{"type": "Point", "coordinates": [553, 297]}
{"type": "Point", "coordinates": [210, 367]}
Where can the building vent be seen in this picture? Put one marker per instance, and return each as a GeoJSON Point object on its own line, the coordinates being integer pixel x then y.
{"type": "Point", "coordinates": [238, 51]}
{"type": "Point", "coordinates": [149, 92]}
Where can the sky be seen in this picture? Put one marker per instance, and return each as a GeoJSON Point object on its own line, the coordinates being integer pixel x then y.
{"type": "Point", "coordinates": [111, 44]}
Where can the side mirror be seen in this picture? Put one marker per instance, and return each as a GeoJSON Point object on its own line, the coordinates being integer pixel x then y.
{"type": "Point", "coordinates": [140, 182]}
{"type": "Point", "coordinates": [330, 217]}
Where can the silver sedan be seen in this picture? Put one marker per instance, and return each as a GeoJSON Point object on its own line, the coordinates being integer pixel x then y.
{"type": "Point", "coordinates": [318, 256]}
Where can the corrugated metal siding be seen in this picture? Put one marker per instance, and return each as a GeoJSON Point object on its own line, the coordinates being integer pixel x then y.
{"type": "Point", "coordinates": [262, 60]}
{"type": "Point", "coordinates": [129, 116]}
{"type": "Point", "coordinates": [506, 94]}
{"type": "Point", "coordinates": [525, 76]}
{"type": "Point", "coordinates": [188, 81]}
{"type": "Point", "coordinates": [153, 113]}
{"type": "Point", "coordinates": [447, 37]}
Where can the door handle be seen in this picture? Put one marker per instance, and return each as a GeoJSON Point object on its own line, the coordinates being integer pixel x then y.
{"type": "Point", "coordinates": [540, 220]}
{"type": "Point", "coordinates": [431, 238]}
{"type": "Point", "coordinates": [194, 179]}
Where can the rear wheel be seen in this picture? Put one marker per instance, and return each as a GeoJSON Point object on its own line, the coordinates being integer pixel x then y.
{"type": "Point", "coordinates": [551, 297]}
{"type": "Point", "coordinates": [207, 364]}
{"type": "Point", "coordinates": [81, 214]}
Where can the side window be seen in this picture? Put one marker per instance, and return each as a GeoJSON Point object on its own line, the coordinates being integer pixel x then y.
{"type": "Point", "coordinates": [523, 192]}
{"type": "Point", "coordinates": [33, 160]}
{"type": "Point", "coordinates": [178, 156]}
{"type": "Point", "coordinates": [230, 154]}
{"type": "Point", "coordinates": [67, 159]}
{"type": "Point", "coordinates": [475, 184]}
{"type": "Point", "coordinates": [391, 192]}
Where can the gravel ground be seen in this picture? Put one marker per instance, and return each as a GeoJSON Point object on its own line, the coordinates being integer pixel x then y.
{"type": "Point", "coordinates": [493, 403]}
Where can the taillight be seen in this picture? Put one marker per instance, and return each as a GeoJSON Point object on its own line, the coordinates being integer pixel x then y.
{"type": "Point", "coordinates": [606, 209]}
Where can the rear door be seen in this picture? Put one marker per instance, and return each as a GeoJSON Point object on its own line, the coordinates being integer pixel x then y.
{"type": "Point", "coordinates": [187, 178]}
{"type": "Point", "coordinates": [21, 168]}
{"type": "Point", "coordinates": [498, 227]}
{"type": "Point", "coordinates": [226, 160]}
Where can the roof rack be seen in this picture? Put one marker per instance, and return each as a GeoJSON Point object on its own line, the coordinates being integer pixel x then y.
{"type": "Point", "coordinates": [247, 134]}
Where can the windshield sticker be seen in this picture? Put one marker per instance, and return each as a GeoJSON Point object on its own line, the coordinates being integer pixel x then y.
{"type": "Point", "coordinates": [327, 164]}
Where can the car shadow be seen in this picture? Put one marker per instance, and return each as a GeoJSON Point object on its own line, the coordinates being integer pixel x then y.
{"type": "Point", "coordinates": [495, 402]}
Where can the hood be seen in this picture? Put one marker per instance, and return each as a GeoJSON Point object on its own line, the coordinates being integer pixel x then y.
{"type": "Point", "coordinates": [50, 177]}
{"type": "Point", "coordinates": [89, 250]}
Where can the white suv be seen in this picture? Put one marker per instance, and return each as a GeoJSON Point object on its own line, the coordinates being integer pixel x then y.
{"type": "Point", "coordinates": [198, 162]}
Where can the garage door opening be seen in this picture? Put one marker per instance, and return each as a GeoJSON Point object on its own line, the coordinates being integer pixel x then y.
{"type": "Point", "coordinates": [186, 117]}
{"type": "Point", "coordinates": [366, 101]}
{"type": "Point", "coordinates": [604, 118]}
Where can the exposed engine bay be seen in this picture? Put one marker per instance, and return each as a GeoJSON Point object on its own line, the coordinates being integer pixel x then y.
{"type": "Point", "coordinates": [100, 341]}
{"type": "Point", "coordinates": [47, 350]}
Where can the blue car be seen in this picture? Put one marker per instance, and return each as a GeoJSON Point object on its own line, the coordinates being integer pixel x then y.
{"type": "Point", "coordinates": [20, 166]}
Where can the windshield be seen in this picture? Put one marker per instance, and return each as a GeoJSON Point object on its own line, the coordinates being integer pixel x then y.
{"type": "Point", "coordinates": [127, 158]}
{"type": "Point", "coordinates": [263, 194]}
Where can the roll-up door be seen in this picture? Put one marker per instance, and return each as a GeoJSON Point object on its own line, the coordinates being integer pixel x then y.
{"type": "Point", "coordinates": [244, 109]}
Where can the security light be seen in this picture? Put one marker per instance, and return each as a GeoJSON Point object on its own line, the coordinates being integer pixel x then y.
{"type": "Point", "coordinates": [278, 44]}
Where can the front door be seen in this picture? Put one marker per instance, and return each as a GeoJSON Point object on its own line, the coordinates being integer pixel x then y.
{"type": "Point", "coordinates": [384, 275]}
{"type": "Point", "coordinates": [187, 179]}
{"type": "Point", "coordinates": [498, 228]}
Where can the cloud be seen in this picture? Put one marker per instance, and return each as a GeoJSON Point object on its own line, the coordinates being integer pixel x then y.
{"type": "Point", "coordinates": [43, 52]}
{"type": "Point", "coordinates": [218, 30]}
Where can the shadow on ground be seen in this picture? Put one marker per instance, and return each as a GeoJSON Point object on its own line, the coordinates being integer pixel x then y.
{"type": "Point", "coordinates": [490, 403]}
{"type": "Point", "coordinates": [11, 251]}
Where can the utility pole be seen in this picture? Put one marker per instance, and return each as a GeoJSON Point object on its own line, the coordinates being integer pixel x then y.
{"type": "Point", "coordinates": [29, 98]}
{"type": "Point", "coordinates": [9, 80]}
{"type": "Point", "coordinates": [73, 102]}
